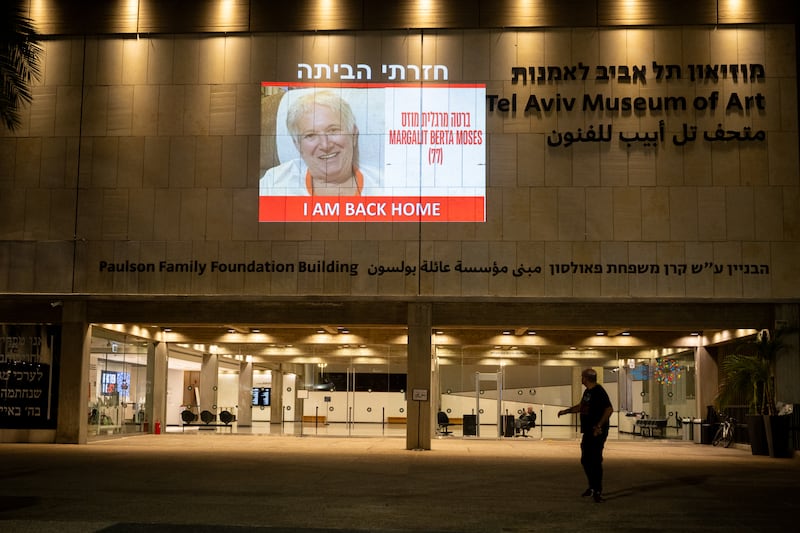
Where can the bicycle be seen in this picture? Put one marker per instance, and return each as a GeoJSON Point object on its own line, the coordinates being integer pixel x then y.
{"type": "Point", "coordinates": [724, 435]}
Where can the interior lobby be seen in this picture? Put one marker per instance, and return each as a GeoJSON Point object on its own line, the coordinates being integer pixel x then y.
{"type": "Point", "coordinates": [346, 379]}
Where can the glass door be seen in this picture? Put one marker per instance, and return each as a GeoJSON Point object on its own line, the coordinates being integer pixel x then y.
{"type": "Point", "coordinates": [470, 391]}
{"type": "Point", "coordinates": [117, 384]}
{"type": "Point", "coordinates": [360, 392]}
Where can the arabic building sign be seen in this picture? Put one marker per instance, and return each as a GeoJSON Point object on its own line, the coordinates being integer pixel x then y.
{"type": "Point", "coordinates": [27, 381]}
{"type": "Point", "coordinates": [666, 110]}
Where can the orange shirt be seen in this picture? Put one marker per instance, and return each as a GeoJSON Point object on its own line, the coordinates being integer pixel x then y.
{"type": "Point", "coordinates": [357, 173]}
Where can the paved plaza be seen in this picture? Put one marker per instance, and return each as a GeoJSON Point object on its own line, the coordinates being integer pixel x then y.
{"type": "Point", "coordinates": [198, 481]}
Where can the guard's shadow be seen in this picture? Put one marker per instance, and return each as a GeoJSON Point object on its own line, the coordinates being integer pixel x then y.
{"type": "Point", "coordinates": [656, 485]}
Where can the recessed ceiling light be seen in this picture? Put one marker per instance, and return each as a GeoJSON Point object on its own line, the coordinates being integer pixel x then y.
{"type": "Point", "coordinates": [600, 333]}
{"type": "Point", "coordinates": [255, 330]}
{"type": "Point", "coordinates": [531, 332]}
{"type": "Point", "coordinates": [506, 332]}
{"type": "Point", "coordinates": [626, 333]}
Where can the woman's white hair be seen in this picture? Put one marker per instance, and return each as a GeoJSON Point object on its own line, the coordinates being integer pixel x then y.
{"type": "Point", "coordinates": [304, 105]}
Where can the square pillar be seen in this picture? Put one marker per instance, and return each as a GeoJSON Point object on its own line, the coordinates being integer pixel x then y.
{"type": "Point", "coordinates": [706, 379]}
{"type": "Point", "coordinates": [787, 364]}
{"type": "Point", "coordinates": [244, 415]}
{"type": "Point", "coordinates": [419, 412]}
{"type": "Point", "coordinates": [156, 395]}
{"type": "Point", "coordinates": [209, 380]}
{"type": "Point", "coordinates": [276, 402]}
{"type": "Point", "coordinates": [73, 384]}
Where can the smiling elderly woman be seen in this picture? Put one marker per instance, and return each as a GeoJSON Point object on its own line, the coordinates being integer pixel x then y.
{"type": "Point", "coordinates": [324, 131]}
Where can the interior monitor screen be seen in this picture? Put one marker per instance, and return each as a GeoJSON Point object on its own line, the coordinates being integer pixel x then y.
{"type": "Point", "coordinates": [108, 383]}
{"type": "Point", "coordinates": [261, 396]}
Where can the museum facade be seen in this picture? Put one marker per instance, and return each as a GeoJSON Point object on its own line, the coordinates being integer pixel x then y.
{"type": "Point", "coordinates": [537, 187]}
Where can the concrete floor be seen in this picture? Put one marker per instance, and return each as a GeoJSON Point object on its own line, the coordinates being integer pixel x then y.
{"type": "Point", "coordinates": [208, 481]}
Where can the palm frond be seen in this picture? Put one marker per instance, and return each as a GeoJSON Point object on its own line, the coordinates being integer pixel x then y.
{"type": "Point", "coordinates": [19, 61]}
{"type": "Point", "coordinates": [750, 373]}
{"type": "Point", "coordinates": [743, 375]}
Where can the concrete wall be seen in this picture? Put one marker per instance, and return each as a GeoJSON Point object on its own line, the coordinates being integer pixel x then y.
{"type": "Point", "coordinates": [149, 149]}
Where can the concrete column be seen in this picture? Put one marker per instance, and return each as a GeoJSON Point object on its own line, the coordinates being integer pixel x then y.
{"type": "Point", "coordinates": [276, 404]}
{"type": "Point", "coordinates": [156, 395]}
{"type": "Point", "coordinates": [209, 380]}
{"type": "Point", "coordinates": [577, 386]}
{"type": "Point", "coordinates": [419, 412]}
{"type": "Point", "coordinates": [576, 395]}
{"type": "Point", "coordinates": [299, 402]}
{"type": "Point", "coordinates": [706, 379]}
{"type": "Point", "coordinates": [289, 400]}
{"type": "Point", "coordinates": [625, 393]}
{"type": "Point", "coordinates": [657, 408]}
{"type": "Point", "coordinates": [73, 379]}
{"type": "Point", "coordinates": [787, 365]}
{"type": "Point", "coordinates": [309, 375]}
{"type": "Point", "coordinates": [244, 415]}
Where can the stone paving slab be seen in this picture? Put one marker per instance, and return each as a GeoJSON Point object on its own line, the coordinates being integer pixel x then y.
{"type": "Point", "coordinates": [248, 483]}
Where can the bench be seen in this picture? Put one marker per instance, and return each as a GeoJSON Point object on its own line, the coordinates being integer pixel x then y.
{"type": "Point", "coordinates": [208, 420]}
{"type": "Point", "coordinates": [107, 428]}
{"type": "Point", "coordinates": [396, 420]}
{"type": "Point", "coordinates": [311, 419]}
{"type": "Point", "coordinates": [648, 426]}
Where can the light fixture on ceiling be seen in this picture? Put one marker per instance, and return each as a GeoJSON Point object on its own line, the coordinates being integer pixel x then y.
{"type": "Point", "coordinates": [531, 332]}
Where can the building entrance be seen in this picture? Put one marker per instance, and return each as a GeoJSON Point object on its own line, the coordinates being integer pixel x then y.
{"type": "Point", "coordinates": [352, 380]}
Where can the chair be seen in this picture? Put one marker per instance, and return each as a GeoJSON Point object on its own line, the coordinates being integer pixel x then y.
{"type": "Point", "coordinates": [444, 423]}
{"type": "Point", "coordinates": [525, 424]}
{"type": "Point", "coordinates": [226, 417]}
{"type": "Point", "coordinates": [187, 416]}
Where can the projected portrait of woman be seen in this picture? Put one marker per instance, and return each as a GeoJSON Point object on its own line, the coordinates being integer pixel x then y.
{"type": "Point", "coordinates": [325, 136]}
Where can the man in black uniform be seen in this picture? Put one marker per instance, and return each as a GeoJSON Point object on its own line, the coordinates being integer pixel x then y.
{"type": "Point", "coordinates": [595, 410]}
